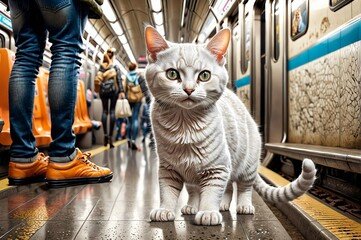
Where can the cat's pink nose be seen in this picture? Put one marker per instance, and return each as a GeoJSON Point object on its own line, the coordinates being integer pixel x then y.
{"type": "Point", "coordinates": [188, 91]}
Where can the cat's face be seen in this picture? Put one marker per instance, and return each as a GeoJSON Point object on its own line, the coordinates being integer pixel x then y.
{"type": "Point", "coordinates": [298, 14]}
{"type": "Point", "coordinates": [186, 75]}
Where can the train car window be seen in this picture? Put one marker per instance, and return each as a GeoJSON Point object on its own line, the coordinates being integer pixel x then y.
{"type": "Point", "coordinates": [2, 41]}
{"type": "Point", "coordinates": [276, 30]}
{"type": "Point", "coordinates": [337, 4]}
{"type": "Point", "coordinates": [299, 18]}
{"type": "Point", "coordinates": [246, 46]}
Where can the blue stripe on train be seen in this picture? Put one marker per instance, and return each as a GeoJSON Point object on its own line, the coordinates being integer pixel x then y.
{"type": "Point", "coordinates": [243, 81]}
{"type": "Point", "coordinates": [338, 40]}
{"type": "Point", "coordinates": [334, 42]}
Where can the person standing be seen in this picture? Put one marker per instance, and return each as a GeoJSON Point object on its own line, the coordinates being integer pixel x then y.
{"type": "Point", "coordinates": [110, 88]}
{"type": "Point", "coordinates": [64, 22]}
{"type": "Point", "coordinates": [134, 80]}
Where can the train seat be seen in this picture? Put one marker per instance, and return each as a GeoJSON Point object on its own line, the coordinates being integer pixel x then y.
{"type": "Point", "coordinates": [6, 62]}
{"type": "Point", "coordinates": [41, 123]}
{"type": "Point", "coordinates": [81, 122]}
{"type": "Point", "coordinates": [83, 106]}
{"type": "Point", "coordinates": [77, 124]}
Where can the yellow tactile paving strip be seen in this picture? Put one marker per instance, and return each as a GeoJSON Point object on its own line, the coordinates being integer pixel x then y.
{"type": "Point", "coordinates": [4, 182]}
{"type": "Point", "coordinates": [336, 223]}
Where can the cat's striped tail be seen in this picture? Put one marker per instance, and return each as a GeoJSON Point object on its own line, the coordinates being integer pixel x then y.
{"type": "Point", "coordinates": [292, 190]}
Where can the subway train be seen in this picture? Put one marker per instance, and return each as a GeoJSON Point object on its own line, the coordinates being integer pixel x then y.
{"type": "Point", "coordinates": [295, 64]}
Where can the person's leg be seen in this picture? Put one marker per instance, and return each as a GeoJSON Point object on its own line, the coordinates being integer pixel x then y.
{"type": "Point", "coordinates": [144, 128]}
{"type": "Point", "coordinates": [30, 38]}
{"type": "Point", "coordinates": [26, 164]}
{"type": "Point", "coordinates": [118, 125]}
{"type": "Point", "coordinates": [105, 111]}
{"type": "Point", "coordinates": [65, 34]}
{"type": "Point", "coordinates": [113, 102]}
{"type": "Point", "coordinates": [130, 122]}
{"type": "Point", "coordinates": [68, 166]}
{"type": "Point", "coordinates": [135, 121]}
{"type": "Point", "coordinates": [133, 129]}
{"type": "Point", "coordinates": [105, 104]}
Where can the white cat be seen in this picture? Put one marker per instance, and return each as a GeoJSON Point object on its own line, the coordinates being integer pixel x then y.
{"type": "Point", "coordinates": [205, 137]}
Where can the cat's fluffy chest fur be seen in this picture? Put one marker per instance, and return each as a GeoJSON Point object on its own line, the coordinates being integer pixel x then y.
{"type": "Point", "coordinates": [190, 141]}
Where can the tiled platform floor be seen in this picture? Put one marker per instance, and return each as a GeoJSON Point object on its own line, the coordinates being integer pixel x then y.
{"type": "Point", "coordinates": [120, 209]}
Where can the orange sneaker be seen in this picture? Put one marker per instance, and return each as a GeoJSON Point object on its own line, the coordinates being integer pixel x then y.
{"type": "Point", "coordinates": [79, 171]}
{"type": "Point", "coordinates": [25, 173]}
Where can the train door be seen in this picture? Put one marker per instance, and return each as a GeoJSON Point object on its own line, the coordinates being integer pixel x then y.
{"type": "Point", "coordinates": [276, 74]}
{"type": "Point", "coordinates": [235, 52]}
{"type": "Point", "coordinates": [264, 47]}
{"type": "Point", "coordinates": [258, 65]}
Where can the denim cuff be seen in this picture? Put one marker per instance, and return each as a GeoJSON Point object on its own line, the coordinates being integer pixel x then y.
{"type": "Point", "coordinates": [64, 159]}
{"type": "Point", "coordinates": [25, 160]}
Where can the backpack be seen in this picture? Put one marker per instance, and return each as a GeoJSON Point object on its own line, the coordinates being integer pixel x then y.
{"type": "Point", "coordinates": [133, 90]}
{"type": "Point", "coordinates": [107, 83]}
{"type": "Point", "coordinates": [107, 88]}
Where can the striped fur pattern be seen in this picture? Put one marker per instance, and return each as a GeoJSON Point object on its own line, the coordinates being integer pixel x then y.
{"type": "Point", "coordinates": [205, 137]}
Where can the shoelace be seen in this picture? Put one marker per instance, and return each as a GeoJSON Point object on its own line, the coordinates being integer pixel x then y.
{"type": "Point", "coordinates": [43, 157]}
{"type": "Point", "coordinates": [85, 159]}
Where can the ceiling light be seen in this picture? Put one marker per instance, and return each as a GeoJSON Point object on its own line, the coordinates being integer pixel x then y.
{"type": "Point", "coordinates": [160, 29]}
{"type": "Point", "coordinates": [117, 28]}
{"type": "Point", "coordinates": [158, 18]}
{"type": "Point", "coordinates": [122, 68]}
{"type": "Point", "coordinates": [129, 52]}
{"type": "Point", "coordinates": [105, 46]}
{"type": "Point", "coordinates": [123, 39]}
{"type": "Point", "coordinates": [183, 12]}
{"type": "Point", "coordinates": [156, 5]}
{"type": "Point", "coordinates": [109, 12]}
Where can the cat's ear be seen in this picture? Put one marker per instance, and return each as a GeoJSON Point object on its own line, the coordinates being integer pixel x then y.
{"type": "Point", "coordinates": [155, 42]}
{"type": "Point", "coordinates": [219, 43]}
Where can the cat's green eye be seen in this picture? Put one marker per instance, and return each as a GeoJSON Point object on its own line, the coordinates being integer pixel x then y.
{"type": "Point", "coordinates": [204, 76]}
{"type": "Point", "coordinates": [172, 74]}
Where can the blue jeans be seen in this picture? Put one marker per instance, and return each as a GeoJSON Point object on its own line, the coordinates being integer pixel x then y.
{"type": "Point", "coordinates": [32, 20]}
{"type": "Point", "coordinates": [133, 122]}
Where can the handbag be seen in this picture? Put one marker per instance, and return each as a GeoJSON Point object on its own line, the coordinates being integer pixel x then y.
{"type": "Point", "coordinates": [122, 109]}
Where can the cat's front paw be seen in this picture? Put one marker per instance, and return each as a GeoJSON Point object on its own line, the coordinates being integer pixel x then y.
{"type": "Point", "coordinates": [189, 210]}
{"type": "Point", "coordinates": [207, 218]}
{"type": "Point", "coordinates": [245, 209]}
{"type": "Point", "coordinates": [224, 206]}
{"type": "Point", "coordinates": [161, 215]}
